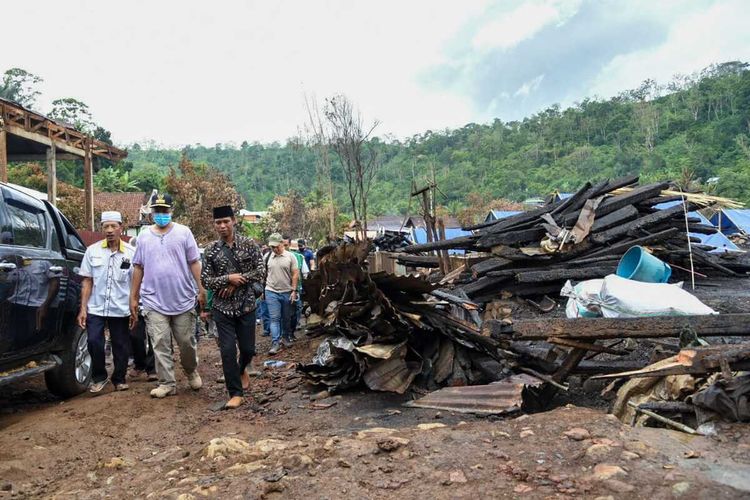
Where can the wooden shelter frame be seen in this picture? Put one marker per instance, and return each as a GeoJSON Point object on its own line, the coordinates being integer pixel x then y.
{"type": "Point", "coordinates": [31, 131]}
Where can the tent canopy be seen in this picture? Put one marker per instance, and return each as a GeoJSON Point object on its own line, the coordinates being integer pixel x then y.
{"type": "Point", "coordinates": [732, 221]}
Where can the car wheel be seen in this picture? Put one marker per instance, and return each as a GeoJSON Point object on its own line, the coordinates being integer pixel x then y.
{"type": "Point", "coordinates": [73, 376]}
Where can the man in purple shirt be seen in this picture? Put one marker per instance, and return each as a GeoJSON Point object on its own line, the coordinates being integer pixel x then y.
{"type": "Point", "coordinates": [166, 279]}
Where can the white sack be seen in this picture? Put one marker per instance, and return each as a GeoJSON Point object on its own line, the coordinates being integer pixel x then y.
{"type": "Point", "coordinates": [617, 297]}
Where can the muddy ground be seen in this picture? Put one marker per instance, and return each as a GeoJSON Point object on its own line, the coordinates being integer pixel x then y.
{"type": "Point", "coordinates": [357, 445]}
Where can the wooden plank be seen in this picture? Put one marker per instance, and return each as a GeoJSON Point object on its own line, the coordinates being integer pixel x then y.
{"type": "Point", "coordinates": [511, 237]}
{"type": "Point", "coordinates": [3, 155]}
{"type": "Point", "coordinates": [622, 247]}
{"type": "Point", "coordinates": [576, 201]}
{"type": "Point", "coordinates": [88, 188]}
{"type": "Point", "coordinates": [587, 346]}
{"type": "Point", "coordinates": [714, 325]}
{"type": "Point", "coordinates": [38, 157]}
{"type": "Point", "coordinates": [481, 268]}
{"type": "Point", "coordinates": [562, 274]}
{"type": "Point", "coordinates": [483, 284]}
{"type": "Point", "coordinates": [621, 216]}
{"type": "Point", "coordinates": [570, 363]}
{"type": "Point", "coordinates": [32, 136]}
{"type": "Point", "coordinates": [51, 175]}
{"type": "Point", "coordinates": [617, 202]}
{"type": "Point", "coordinates": [416, 260]}
{"type": "Point", "coordinates": [463, 242]}
{"type": "Point", "coordinates": [642, 223]}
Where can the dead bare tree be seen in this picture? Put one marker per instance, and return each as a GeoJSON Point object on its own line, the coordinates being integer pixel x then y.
{"type": "Point", "coordinates": [318, 135]}
{"type": "Point", "coordinates": [349, 139]}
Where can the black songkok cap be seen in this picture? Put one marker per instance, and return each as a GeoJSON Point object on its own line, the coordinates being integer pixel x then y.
{"type": "Point", "coordinates": [222, 212]}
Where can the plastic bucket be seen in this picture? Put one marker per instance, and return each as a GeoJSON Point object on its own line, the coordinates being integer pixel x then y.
{"type": "Point", "coordinates": [639, 265]}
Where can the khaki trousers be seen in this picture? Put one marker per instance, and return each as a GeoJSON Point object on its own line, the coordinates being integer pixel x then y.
{"type": "Point", "coordinates": [161, 329]}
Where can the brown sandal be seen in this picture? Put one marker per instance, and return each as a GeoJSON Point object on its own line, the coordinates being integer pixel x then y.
{"type": "Point", "coordinates": [234, 403]}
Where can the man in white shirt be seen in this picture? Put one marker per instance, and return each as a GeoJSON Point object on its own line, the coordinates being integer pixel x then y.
{"type": "Point", "coordinates": [105, 295]}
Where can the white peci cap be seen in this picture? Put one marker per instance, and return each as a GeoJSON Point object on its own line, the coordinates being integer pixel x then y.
{"type": "Point", "coordinates": [111, 216]}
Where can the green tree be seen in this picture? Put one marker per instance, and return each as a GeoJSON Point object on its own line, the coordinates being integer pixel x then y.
{"type": "Point", "coordinates": [20, 86]}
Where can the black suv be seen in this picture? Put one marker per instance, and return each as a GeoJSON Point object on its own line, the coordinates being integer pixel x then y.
{"type": "Point", "coordinates": [40, 259]}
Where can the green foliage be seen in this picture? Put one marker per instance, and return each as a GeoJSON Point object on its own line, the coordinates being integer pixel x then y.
{"type": "Point", "coordinates": [113, 181]}
{"type": "Point", "coordinates": [18, 85]}
{"type": "Point", "coordinates": [697, 123]}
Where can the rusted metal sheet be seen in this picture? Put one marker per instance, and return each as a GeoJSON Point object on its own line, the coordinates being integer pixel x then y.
{"type": "Point", "coordinates": [392, 375]}
{"type": "Point", "coordinates": [504, 396]}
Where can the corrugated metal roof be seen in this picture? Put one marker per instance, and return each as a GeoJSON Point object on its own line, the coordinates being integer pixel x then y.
{"type": "Point", "coordinates": [504, 396]}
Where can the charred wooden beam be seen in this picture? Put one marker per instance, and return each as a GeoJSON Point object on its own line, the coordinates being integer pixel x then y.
{"type": "Point", "coordinates": [574, 273]}
{"type": "Point", "coordinates": [618, 183]}
{"type": "Point", "coordinates": [612, 328]}
{"type": "Point", "coordinates": [481, 268]}
{"type": "Point", "coordinates": [483, 284]}
{"type": "Point", "coordinates": [463, 242]}
{"type": "Point", "coordinates": [641, 223]}
{"type": "Point", "coordinates": [617, 202]}
{"type": "Point", "coordinates": [417, 260]}
{"type": "Point", "coordinates": [511, 237]}
{"type": "Point", "coordinates": [621, 216]}
{"type": "Point", "coordinates": [623, 246]}
{"type": "Point", "coordinates": [576, 201]}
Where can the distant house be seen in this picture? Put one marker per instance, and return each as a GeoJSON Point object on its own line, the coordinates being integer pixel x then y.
{"type": "Point", "coordinates": [251, 216]}
{"type": "Point", "coordinates": [132, 206]}
{"type": "Point", "coordinates": [390, 223]}
{"type": "Point", "coordinates": [500, 214]}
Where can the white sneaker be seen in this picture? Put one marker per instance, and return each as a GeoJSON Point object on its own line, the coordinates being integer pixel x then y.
{"type": "Point", "coordinates": [194, 379]}
{"type": "Point", "coordinates": [163, 391]}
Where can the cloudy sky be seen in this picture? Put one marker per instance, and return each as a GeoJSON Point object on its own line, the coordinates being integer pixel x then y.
{"type": "Point", "coordinates": [188, 71]}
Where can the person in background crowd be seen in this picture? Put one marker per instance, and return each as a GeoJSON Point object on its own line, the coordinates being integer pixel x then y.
{"type": "Point", "coordinates": [233, 270]}
{"type": "Point", "coordinates": [104, 302]}
{"type": "Point", "coordinates": [265, 250]}
{"type": "Point", "coordinates": [282, 277]}
{"type": "Point", "coordinates": [308, 254]}
{"type": "Point", "coordinates": [166, 276]}
{"type": "Point", "coordinates": [296, 312]}
{"type": "Point", "coordinates": [140, 344]}
{"type": "Point", "coordinates": [207, 316]}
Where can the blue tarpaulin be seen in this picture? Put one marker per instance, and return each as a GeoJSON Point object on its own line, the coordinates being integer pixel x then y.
{"type": "Point", "coordinates": [717, 240]}
{"type": "Point", "coordinates": [420, 235]}
{"type": "Point", "coordinates": [732, 221]}
{"type": "Point", "coordinates": [694, 214]}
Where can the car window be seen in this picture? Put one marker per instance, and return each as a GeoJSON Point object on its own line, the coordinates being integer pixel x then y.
{"type": "Point", "coordinates": [73, 240]}
{"type": "Point", "coordinates": [25, 226]}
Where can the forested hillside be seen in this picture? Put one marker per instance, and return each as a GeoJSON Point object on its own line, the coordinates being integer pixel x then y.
{"type": "Point", "coordinates": [695, 127]}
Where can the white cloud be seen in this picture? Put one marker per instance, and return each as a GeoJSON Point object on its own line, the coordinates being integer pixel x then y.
{"type": "Point", "coordinates": [521, 23]}
{"type": "Point", "coordinates": [529, 87]}
{"type": "Point", "coordinates": [696, 39]}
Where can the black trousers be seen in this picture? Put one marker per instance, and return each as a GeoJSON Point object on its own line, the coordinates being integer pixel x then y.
{"type": "Point", "coordinates": [234, 332]}
{"type": "Point", "coordinates": [140, 344]}
{"type": "Point", "coordinates": [118, 334]}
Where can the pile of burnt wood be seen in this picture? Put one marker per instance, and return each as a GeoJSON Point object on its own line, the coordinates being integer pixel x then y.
{"type": "Point", "coordinates": [387, 331]}
{"type": "Point", "coordinates": [583, 237]}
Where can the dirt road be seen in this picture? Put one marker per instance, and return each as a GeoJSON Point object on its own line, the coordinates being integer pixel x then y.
{"type": "Point", "coordinates": [358, 445]}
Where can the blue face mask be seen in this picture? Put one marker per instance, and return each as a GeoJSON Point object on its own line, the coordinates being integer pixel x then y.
{"type": "Point", "coordinates": [162, 220]}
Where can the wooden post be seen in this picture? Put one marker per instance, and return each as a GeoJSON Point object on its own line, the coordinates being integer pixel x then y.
{"type": "Point", "coordinates": [52, 174]}
{"type": "Point", "coordinates": [3, 154]}
{"type": "Point", "coordinates": [446, 264]}
{"type": "Point", "coordinates": [88, 186]}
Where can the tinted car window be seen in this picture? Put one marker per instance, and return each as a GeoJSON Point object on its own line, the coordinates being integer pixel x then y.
{"type": "Point", "coordinates": [27, 226]}
{"type": "Point", "coordinates": [73, 241]}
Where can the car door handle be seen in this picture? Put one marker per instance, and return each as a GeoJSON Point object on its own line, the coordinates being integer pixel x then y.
{"type": "Point", "coordinates": [7, 266]}
{"type": "Point", "coordinates": [56, 269]}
